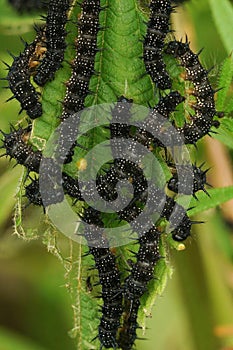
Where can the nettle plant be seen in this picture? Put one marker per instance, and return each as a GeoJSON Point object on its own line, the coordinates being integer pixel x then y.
{"type": "Point", "coordinates": [114, 107]}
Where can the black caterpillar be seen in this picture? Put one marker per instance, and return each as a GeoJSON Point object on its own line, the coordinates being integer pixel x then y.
{"type": "Point", "coordinates": [69, 186]}
{"type": "Point", "coordinates": [161, 134]}
{"type": "Point", "coordinates": [16, 147]}
{"type": "Point", "coordinates": [19, 80]}
{"type": "Point", "coordinates": [82, 70]}
{"type": "Point", "coordinates": [105, 263]}
{"type": "Point", "coordinates": [32, 192]}
{"type": "Point", "coordinates": [83, 64]}
{"type": "Point", "coordinates": [55, 35]}
{"type": "Point", "coordinates": [178, 184]}
{"type": "Point", "coordinates": [203, 91]}
{"type": "Point", "coordinates": [142, 271]}
{"type": "Point", "coordinates": [157, 29]}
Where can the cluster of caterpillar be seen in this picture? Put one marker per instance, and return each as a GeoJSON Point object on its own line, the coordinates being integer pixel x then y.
{"type": "Point", "coordinates": [15, 144]}
{"type": "Point", "coordinates": [41, 59]}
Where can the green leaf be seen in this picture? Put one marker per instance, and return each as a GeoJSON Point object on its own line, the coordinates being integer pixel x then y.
{"type": "Point", "coordinates": [222, 12]}
{"type": "Point", "coordinates": [217, 197]}
{"type": "Point", "coordinates": [120, 64]}
{"type": "Point", "coordinates": [225, 79]}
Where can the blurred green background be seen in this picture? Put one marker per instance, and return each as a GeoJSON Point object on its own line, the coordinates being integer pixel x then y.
{"type": "Point", "coordinates": [196, 310]}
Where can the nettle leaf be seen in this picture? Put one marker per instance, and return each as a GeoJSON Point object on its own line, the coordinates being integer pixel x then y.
{"type": "Point", "coordinates": [216, 197]}
{"type": "Point", "coordinates": [225, 80]}
{"type": "Point", "coordinates": [224, 102]}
